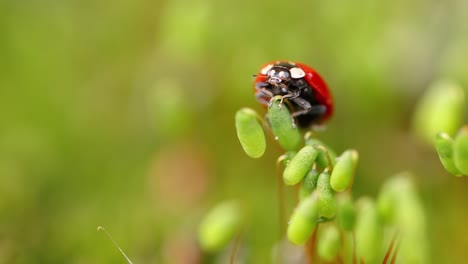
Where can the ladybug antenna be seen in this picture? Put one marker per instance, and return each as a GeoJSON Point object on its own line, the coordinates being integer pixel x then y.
{"type": "Point", "coordinates": [254, 75]}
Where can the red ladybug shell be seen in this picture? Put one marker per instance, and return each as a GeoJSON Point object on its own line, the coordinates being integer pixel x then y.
{"type": "Point", "coordinates": [319, 86]}
{"type": "Point", "coordinates": [314, 81]}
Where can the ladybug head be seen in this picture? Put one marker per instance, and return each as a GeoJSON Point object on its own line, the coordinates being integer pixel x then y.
{"type": "Point", "coordinates": [278, 74]}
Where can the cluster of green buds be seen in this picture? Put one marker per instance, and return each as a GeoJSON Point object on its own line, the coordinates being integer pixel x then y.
{"type": "Point", "coordinates": [453, 153]}
{"type": "Point", "coordinates": [326, 220]}
{"type": "Point", "coordinates": [439, 114]}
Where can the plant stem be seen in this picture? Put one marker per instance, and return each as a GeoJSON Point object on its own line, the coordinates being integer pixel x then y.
{"type": "Point", "coordinates": [235, 248]}
{"type": "Point", "coordinates": [310, 246]}
{"type": "Point", "coordinates": [354, 249]}
{"type": "Point", "coordinates": [390, 248]}
{"type": "Point", "coordinates": [281, 202]}
{"type": "Point", "coordinates": [395, 253]}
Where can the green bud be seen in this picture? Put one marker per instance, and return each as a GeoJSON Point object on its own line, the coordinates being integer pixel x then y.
{"type": "Point", "coordinates": [250, 133]}
{"type": "Point", "coordinates": [399, 203]}
{"type": "Point", "coordinates": [220, 226]}
{"type": "Point", "coordinates": [308, 184]}
{"type": "Point", "coordinates": [368, 231]}
{"type": "Point", "coordinates": [329, 243]}
{"type": "Point", "coordinates": [409, 253]}
{"type": "Point", "coordinates": [388, 199]}
{"type": "Point", "coordinates": [460, 150]}
{"type": "Point", "coordinates": [444, 147]}
{"type": "Point", "coordinates": [386, 204]}
{"type": "Point", "coordinates": [303, 220]}
{"type": "Point", "coordinates": [327, 203]}
{"type": "Point", "coordinates": [300, 165]}
{"type": "Point", "coordinates": [282, 126]}
{"type": "Point", "coordinates": [322, 159]}
{"type": "Point", "coordinates": [346, 212]}
{"type": "Point", "coordinates": [440, 109]}
{"type": "Point", "coordinates": [343, 172]}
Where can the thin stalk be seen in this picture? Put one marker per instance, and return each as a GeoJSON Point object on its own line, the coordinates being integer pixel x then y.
{"type": "Point", "coordinates": [281, 202]}
{"type": "Point", "coordinates": [309, 248]}
{"type": "Point", "coordinates": [354, 250]}
{"type": "Point", "coordinates": [395, 253]}
{"type": "Point", "coordinates": [235, 248]}
{"type": "Point", "coordinates": [390, 248]}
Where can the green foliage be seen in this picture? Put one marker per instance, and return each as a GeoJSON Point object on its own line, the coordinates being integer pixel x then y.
{"type": "Point", "coordinates": [399, 205]}
{"type": "Point", "coordinates": [346, 213]}
{"type": "Point", "coordinates": [443, 106]}
{"type": "Point", "coordinates": [460, 150]}
{"type": "Point", "coordinates": [328, 243]}
{"type": "Point", "coordinates": [444, 147]}
{"type": "Point", "coordinates": [440, 109]}
{"type": "Point", "coordinates": [368, 231]}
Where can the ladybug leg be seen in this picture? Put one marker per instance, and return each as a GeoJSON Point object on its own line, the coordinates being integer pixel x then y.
{"type": "Point", "coordinates": [261, 88]}
{"type": "Point", "coordinates": [266, 92]}
{"type": "Point", "coordinates": [262, 93]}
{"type": "Point", "coordinates": [261, 85]}
{"type": "Point", "coordinates": [288, 96]}
{"type": "Point", "coordinates": [308, 108]}
{"type": "Point", "coordinates": [261, 99]}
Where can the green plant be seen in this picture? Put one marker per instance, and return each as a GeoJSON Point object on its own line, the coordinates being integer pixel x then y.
{"type": "Point", "coordinates": [453, 153]}
{"type": "Point", "coordinates": [326, 221]}
{"type": "Point", "coordinates": [439, 114]}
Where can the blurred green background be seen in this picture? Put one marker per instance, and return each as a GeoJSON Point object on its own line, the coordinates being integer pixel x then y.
{"type": "Point", "coordinates": [120, 113]}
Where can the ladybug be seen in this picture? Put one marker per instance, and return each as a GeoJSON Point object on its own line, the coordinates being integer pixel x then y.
{"type": "Point", "coordinates": [301, 87]}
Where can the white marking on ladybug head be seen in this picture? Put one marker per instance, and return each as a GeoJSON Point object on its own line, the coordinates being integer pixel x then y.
{"type": "Point", "coordinates": [283, 75]}
{"type": "Point", "coordinates": [297, 73]}
{"type": "Point", "coordinates": [265, 69]}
